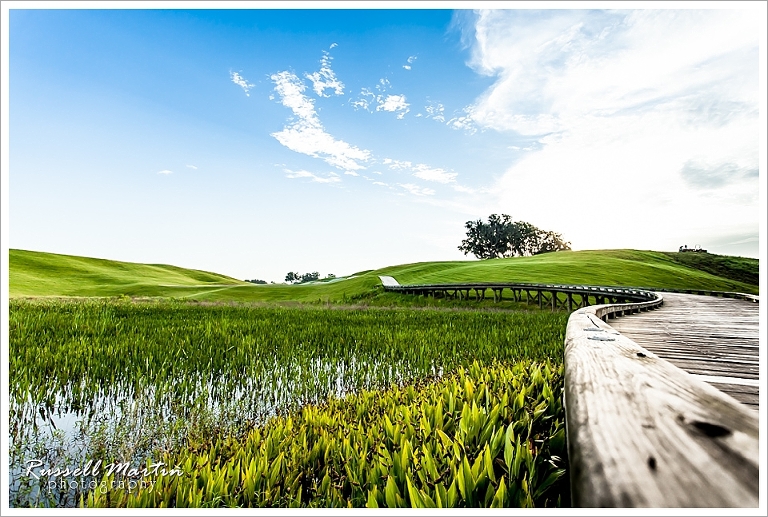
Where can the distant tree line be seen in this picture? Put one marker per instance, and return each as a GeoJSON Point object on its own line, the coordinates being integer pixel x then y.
{"type": "Point", "coordinates": [255, 281]}
{"type": "Point", "coordinates": [501, 237]}
{"type": "Point", "coordinates": [296, 278]}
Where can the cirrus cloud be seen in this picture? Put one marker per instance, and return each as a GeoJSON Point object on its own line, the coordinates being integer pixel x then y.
{"type": "Point", "coordinates": [416, 190]}
{"type": "Point", "coordinates": [656, 108]}
{"type": "Point", "coordinates": [332, 177]}
{"type": "Point", "coordinates": [394, 103]}
{"type": "Point", "coordinates": [306, 134]}
{"type": "Point", "coordinates": [241, 82]}
{"type": "Point", "coordinates": [325, 78]}
{"type": "Point", "coordinates": [422, 171]}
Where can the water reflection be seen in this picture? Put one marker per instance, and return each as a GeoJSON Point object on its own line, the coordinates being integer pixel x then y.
{"type": "Point", "coordinates": [129, 422]}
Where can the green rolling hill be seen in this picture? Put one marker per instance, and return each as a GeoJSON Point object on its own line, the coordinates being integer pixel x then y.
{"type": "Point", "coordinates": [38, 274]}
{"type": "Point", "coordinates": [35, 273]}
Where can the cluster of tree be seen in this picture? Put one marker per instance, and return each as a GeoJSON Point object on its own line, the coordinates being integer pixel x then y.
{"type": "Point", "coordinates": [296, 278]}
{"type": "Point", "coordinates": [255, 281]}
{"type": "Point", "coordinates": [501, 237]}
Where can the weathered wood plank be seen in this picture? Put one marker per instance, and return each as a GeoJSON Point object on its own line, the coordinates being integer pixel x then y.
{"type": "Point", "coordinates": [643, 433]}
{"type": "Point", "coordinates": [705, 336]}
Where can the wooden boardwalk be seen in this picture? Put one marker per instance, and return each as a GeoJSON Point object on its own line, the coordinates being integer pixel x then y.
{"type": "Point", "coordinates": [641, 431]}
{"type": "Point", "coordinates": [715, 339]}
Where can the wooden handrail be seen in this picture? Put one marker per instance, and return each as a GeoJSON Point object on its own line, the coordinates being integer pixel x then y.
{"type": "Point", "coordinates": [644, 433]}
{"type": "Point", "coordinates": [600, 294]}
{"type": "Point", "coordinates": [635, 293]}
{"type": "Point", "coordinates": [642, 294]}
{"type": "Point", "coordinates": [708, 292]}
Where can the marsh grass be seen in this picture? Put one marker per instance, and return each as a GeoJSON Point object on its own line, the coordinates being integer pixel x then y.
{"type": "Point", "coordinates": [483, 436]}
{"type": "Point", "coordinates": [139, 379]}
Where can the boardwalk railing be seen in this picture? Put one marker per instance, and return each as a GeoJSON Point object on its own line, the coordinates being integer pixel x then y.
{"type": "Point", "coordinates": [707, 292]}
{"type": "Point", "coordinates": [641, 432]}
{"type": "Point", "coordinates": [644, 433]}
{"type": "Point", "coordinates": [555, 296]}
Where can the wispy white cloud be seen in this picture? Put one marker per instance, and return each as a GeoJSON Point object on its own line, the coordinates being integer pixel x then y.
{"type": "Point", "coordinates": [557, 66]}
{"type": "Point", "coordinates": [708, 176]}
{"type": "Point", "coordinates": [306, 134]}
{"type": "Point", "coordinates": [465, 190]}
{"type": "Point", "coordinates": [191, 167]}
{"type": "Point", "coordinates": [333, 45]}
{"type": "Point", "coordinates": [397, 164]}
{"type": "Point", "coordinates": [410, 61]}
{"type": "Point", "coordinates": [659, 108]}
{"type": "Point", "coordinates": [422, 171]}
{"type": "Point", "coordinates": [363, 101]}
{"type": "Point", "coordinates": [434, 174]}
{"type": "Point", "coordinates": [754, 238]}
{"type": "Point", "coordinates": [464, 122]}
{"type": "Point", "coordinates": [332, 177]}
{"type": "Point", "coordinates": [241, 82]}
{"type": "Point", "coordinates": [436, 111]}
{"type": "Point", "coordinates": [393, 103]}
{"type": "Point", "coordinates": [165, 172]}
{"type": "Point", "coordinates": [416, 190]}
{"type": "Point", "coordinates": [325, 78]}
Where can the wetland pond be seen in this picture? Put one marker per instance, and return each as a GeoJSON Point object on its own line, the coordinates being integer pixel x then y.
{"type": "Point", "coordinates": [115, 383]}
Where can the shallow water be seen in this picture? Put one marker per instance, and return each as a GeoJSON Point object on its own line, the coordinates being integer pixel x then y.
{"type": "Point", "coordinates": [119, 425]}
{"type": "Point", "coordinates": [122, 381]}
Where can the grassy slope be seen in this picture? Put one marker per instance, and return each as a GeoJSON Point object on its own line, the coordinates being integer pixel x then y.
{"type": "Point", "coordinates": [44, 274]}
{"type": "Point", "coordinates": [735, 268]}
{"type": "Point", "coordinates": [598, 267]}
{"type": "Point", "coordinates": [47, 274]}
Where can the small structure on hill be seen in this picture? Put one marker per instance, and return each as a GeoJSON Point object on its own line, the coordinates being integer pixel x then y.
{"type": "Point", "coordinates": [695, 249]}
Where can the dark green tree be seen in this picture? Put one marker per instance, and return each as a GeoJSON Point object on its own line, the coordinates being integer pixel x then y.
{"type": "Point", "coordinates": [488, 240]}
{"type": "Point", "coordinates": [501, 237]}
{"type": "Point", "coordinates": [551, 241]}
{"type": "Point", "coordinates": [310, 277]}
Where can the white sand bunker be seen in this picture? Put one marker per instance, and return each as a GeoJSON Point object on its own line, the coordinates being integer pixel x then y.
{"type": "Point", "coordinates": [388, 281]}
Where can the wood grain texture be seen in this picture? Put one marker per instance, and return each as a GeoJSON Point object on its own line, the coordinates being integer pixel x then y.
{"type": "Point", "coordinates": [644, 433]}
{"type": "Point", "coordinates": [703, 335]}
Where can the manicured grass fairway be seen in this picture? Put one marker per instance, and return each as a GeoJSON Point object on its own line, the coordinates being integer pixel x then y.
{"type": "Point", "coordinates": [45, 274]}
{"type": "Point", "coordinates": [35, 273]}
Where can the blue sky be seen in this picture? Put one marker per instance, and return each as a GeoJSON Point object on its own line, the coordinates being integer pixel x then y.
{"type": "Point", "coordinates": [257, 142]}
